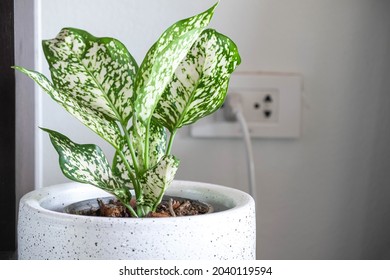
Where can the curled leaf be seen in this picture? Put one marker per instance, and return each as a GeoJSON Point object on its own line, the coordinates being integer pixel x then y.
{"type": "Point", "coordinates": [98, 72]}
{"type": "Point", "coordinates": [86, 163]}
{"type": "Point", "coordinates": [199, 84]}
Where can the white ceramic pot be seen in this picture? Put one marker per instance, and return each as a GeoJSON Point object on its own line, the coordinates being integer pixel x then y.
{"type": "Point", "coordinates": [46, 232]}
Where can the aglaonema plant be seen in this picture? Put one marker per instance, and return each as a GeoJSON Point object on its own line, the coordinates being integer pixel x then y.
{"type": "Point", "coordinates": [137, 110]}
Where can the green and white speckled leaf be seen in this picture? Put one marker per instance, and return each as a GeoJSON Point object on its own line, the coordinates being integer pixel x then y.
{"type": "Point", "coordinates": [119, 168]}
{"type": "Point", "coordinates": [162, 60]}
{"type": "Point", "coordinates": [157, 146]}
{"type": "Point", "coordinates": [86, 164]}
{"type": "Point", "coordinates": [157, 138]}
{"type": "Point", "coordinates": [98, 72]}
{"type": "Point", "coordinates": [199, 85]}
{"type": "Point", "coordinates": [156, 181]}
{"type": "Point", "coordinates": [105, 128]}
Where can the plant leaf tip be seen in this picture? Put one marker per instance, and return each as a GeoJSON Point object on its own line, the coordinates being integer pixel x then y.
{"type": "Point", "coordinates": [214, 6]}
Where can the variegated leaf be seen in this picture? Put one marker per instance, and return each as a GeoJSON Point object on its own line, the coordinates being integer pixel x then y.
{"type": "Point", "coordinates": [199, 85]}
{"type": "Point", "coordinates": [157, 145]}
{"type": "Point", "coordinates": [157, 140]}
{"type": "Point", "coordinates": [119, 168]}
{"type": "Point", "coordinates": [156, 181]}
{"type": "Point", "coordinates": [163, 58]}
{"type": "Point", "coordinates": [107, 129]}
{"type": "Point", "coordinates": [98, 72]}
{"type": "Point", "coordinates": [86, 164]}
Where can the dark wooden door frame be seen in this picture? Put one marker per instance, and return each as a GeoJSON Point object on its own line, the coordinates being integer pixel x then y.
{"type": "Point", "coordinates": [7, 132]}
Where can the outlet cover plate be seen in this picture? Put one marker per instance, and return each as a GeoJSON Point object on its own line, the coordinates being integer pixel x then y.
{"type": "Point", "coordinates": [285, 120]}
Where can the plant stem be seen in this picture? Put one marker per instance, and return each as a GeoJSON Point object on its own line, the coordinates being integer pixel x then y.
{"type": "Point", "coordinates": [133, 213]}
{"type": "Point", "coordinates": [131, 148]}
{"type": "Point", "coordinates": [171, 137]}
{"type": "Point", "coordinates": [147, 142]}
{"type": "Point", "coordinates": [132, 177]}
{"type": "Point", "coordinates": [143, 210]}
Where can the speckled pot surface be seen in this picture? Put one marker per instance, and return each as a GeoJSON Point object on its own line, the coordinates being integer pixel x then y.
{"type": "Point", "coordinates": [46, 232]}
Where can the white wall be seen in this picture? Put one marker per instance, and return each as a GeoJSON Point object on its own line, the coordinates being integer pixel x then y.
{"type": "Point", "coordinates": [323, 196]}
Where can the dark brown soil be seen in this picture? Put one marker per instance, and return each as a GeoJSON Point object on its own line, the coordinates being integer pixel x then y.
{"type": "Point", "coordinates": [169, 207]}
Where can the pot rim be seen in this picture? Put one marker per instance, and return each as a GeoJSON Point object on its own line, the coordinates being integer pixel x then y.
{"type": "Point", "coordinates": [36, 198]}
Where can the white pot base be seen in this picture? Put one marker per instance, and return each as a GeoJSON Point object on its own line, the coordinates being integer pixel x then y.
{"type": "Point", "coordinates": [45, 232]}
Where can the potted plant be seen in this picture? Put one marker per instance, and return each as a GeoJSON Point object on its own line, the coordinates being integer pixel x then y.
{"type": "Point", "coordinates": [138, 110]}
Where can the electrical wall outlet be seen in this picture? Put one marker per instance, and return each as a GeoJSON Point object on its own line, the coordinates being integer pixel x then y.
{"type": "Point", "coordinates": [271, 105]}
{"type": "Point", "coordinates": [259, 105]}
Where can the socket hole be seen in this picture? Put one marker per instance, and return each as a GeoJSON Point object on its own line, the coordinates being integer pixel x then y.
{"type": "Point", "coordinates": [268, 98]}
{"type": "Point", "coordinates": [267, 113]}
{"type": "Point", "coordinates": [257, 105]}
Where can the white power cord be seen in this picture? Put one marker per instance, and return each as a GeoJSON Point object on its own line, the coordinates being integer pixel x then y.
{"type": "Point", "coordinates": [232, 112]}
